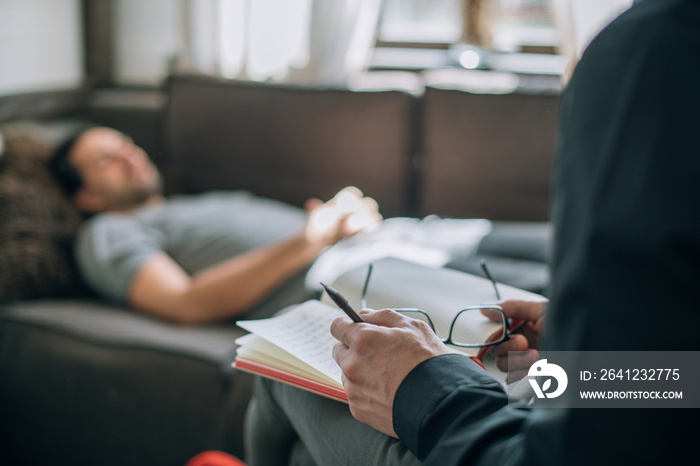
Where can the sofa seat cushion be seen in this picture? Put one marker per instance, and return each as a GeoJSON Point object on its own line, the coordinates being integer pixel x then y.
{"type": "Point", "coordinates": [112, 326]}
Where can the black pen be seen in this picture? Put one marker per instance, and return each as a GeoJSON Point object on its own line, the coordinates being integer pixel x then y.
{"type": "Point", "coordinates": [342, 303]}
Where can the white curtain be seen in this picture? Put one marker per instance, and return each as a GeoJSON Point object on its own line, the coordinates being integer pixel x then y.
{"type": "Point", "coordinates": [300, 41]}
{"type": "Point", "coordinates": [342, 35]}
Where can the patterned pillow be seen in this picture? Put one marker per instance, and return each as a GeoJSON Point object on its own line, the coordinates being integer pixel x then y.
{"type": "Point", "coordinates": [37, 224]}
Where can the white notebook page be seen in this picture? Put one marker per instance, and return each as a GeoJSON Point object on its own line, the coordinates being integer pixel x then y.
{"type": "Point", "coordinates": [304, 331]}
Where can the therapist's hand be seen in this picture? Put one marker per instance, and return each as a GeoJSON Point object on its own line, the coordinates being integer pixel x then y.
{"type": "Point", "coordinates": [526, 338]}
{"type": "Point", "coordinates": [375, 358]}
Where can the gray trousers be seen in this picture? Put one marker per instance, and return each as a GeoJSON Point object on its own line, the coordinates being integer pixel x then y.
{"type": "Point", "coordinates": [289, 426]}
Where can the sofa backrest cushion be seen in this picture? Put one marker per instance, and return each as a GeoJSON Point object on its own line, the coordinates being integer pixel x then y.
{"type": "Point", "coordinates": [487, 155]}
{"type": "Point", "coordinates": [288, 142]}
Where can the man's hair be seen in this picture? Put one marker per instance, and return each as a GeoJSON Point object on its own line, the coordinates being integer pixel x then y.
{"type": "Point", "coordinates": [66, 174]}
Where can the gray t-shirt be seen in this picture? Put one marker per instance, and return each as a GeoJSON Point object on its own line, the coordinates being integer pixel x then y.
{"type": "Point", "coordinates": [197, 231]}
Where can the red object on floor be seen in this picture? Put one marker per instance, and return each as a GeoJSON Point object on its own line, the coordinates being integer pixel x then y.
{"type": "Point", "coordinates": [214, 458]}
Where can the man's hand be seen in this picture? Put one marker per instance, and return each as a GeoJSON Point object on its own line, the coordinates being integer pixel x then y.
{"type": "Point", "coordinates": [376, 356]}
{"type": "Point", "coordinates": [526, 338]}
{"type": "Point", "coordinates": [344, 215]}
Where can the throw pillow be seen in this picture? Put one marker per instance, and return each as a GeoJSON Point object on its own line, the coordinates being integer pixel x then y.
{"type": "Point", "coordinates": [37, 225]}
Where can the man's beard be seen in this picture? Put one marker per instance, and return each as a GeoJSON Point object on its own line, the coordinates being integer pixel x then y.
{"type": "Point", "coordinates": [138, 196]}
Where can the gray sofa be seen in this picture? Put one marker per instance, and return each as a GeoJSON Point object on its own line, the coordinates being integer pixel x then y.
{"type": "Point", "coordinates": [84, 382]}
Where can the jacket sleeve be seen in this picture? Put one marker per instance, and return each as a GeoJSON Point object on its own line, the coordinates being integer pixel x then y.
{"type": "Point", "coordinates": [449, 411]}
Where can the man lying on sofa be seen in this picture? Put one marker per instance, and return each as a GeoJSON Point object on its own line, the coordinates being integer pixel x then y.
{"type": "Point", "coordinates": [189, 259]}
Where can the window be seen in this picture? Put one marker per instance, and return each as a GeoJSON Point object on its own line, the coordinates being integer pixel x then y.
{"type": "Point", "coordinates": [145, 39]}
{"type": "Point", "coordinates": [40, 48]}
{"type": "Point", "coordinates": [524, 24]}
{"type": "Point", "coordinates": [421, 21]}
{"type": "Point", "coordinates": [515, 23]}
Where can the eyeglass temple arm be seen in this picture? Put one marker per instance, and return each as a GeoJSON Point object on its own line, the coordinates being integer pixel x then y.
{"type": "Point", "coordinates": [482, 262]}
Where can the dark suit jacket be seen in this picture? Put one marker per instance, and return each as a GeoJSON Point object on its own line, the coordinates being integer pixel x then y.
{"type": "Point", "coordinates": [626, 266]}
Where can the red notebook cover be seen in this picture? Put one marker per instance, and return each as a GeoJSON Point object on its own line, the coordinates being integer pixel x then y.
{"type": "Point", "coordinates": [290, 378]}
{"type": "Point", "coordinates": [296, 380]}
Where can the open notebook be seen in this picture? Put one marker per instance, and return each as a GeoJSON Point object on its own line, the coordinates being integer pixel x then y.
{"type": "Point", "coordinates": [295, 347]}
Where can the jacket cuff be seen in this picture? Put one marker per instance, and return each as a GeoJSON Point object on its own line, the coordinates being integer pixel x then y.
{"type": "Point", "coordinates": [422, 391]}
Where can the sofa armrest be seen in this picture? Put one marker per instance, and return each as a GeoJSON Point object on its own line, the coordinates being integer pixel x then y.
{"type": "Point", "coordinates": [85, 383]}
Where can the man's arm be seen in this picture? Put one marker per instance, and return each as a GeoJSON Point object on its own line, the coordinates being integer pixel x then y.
{"type": "Point", "coordinates": [403, 381]}
{"type": "Point", "coordinates": [377, 356]}
{"type": "Point", "coordinates": [162, 288]}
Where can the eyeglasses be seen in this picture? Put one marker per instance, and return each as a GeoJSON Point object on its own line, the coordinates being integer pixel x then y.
{"type": "Point", "coordinates": [459, 334]}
